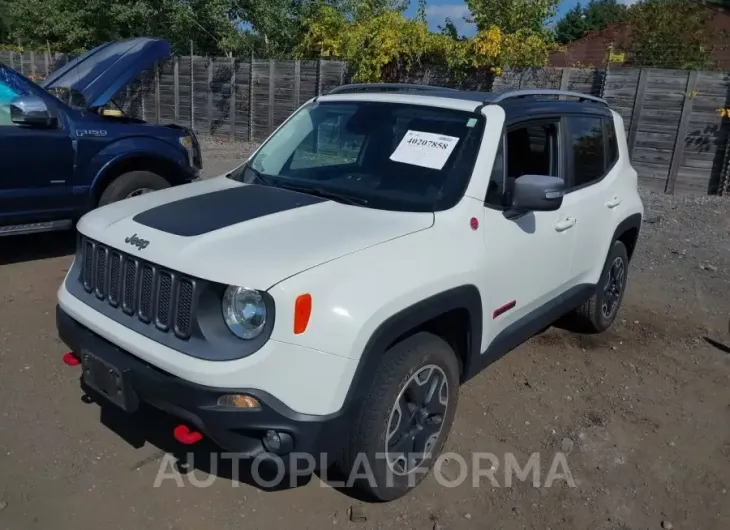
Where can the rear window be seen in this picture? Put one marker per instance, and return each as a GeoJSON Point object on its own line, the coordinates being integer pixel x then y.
{"type": "Point", "coordinates": [611, 145]}
{"type": "Point", "coordinates": [586, 146]}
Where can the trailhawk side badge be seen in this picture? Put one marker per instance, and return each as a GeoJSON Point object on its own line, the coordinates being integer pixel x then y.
{"type": "Point", "coordinates": [138, 242]}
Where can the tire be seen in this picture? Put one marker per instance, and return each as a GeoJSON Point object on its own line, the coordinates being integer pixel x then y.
{"type": "Point", "coordinates": [598, 313]}
{"type": "Point", "coordinates": [129, 184]}
{"type": "Point", "coordinates": [409, 369]}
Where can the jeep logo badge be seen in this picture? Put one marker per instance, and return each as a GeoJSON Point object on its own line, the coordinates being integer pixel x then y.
{"type": "Point", "coordinates": [138, 242]}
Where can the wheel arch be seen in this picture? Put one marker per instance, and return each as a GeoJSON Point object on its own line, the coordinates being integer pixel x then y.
{"type": "Point", "coordinates": [141, 161]}
{"type": "Point", "coordinates": [460, 306]}
{"type": "Point", "coordinates": [627, 232]}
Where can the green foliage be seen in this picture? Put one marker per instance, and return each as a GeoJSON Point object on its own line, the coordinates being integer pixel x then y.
{"type": "Point", "coordinates": [270, 28]}
{"type": "Point", "coordinates": [449, 29]}
{"type": "Point", "coordinates": [373, 36]}
{"type": "Point", "coordinates": [512, 16]}
{"type": "Point", "coordinates": [602, 13]}
{"type": "Point", "coordinates": [389, 45]}
{"type": "Point", "coordinates": [68, 25]}
{"type": "Point", "coordinates": [670, 34]}
{"type": "Point", "coordinates": [572, 26]}
{"type": "Point", "coordinates": [6, 20]}
{"type": "Point", "coordinates": [597, 15]}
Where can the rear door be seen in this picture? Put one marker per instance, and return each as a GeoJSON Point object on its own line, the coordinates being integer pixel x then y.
{"type": "Point", "coordinates": [36, 164]}
{"type": "Point", "coordinates": [592, 194]}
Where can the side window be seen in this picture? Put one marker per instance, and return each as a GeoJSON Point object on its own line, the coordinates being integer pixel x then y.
{"type": "Point", "coordinates": [12, 85]}
{"type": "Point", "coordinates": [528, 149]}
{"type": "Point", "coordinates": [7, 95]}
{"type": "Point", "coordinates": [532, 149]}
{"type": "Point", "coordinates": [586, 148]}
{"type": "Point", "coordinates": [611, 145]}
{"type": "Point", "coordinates": [330, 144]}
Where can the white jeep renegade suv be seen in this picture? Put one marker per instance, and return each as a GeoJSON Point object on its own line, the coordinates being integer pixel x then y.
{"type": "Point", "coordinates": [330, 295]}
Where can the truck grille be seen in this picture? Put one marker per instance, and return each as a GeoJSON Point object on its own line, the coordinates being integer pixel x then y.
{"type": "Point", "coordinates": [155, 295]}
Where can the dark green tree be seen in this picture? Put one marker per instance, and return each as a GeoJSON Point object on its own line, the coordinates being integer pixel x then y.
{"type": "Point", "coordinates": [670, 34]}
{"type": "Point", "coordinates": [595, 16]}
{"type": "Point", "coordinates": [512, 16]}
{"type": "Point", "coordinates": [572, 26]}
{"type": "Point", "coordinates": [602, 13]}
{"type": "Point", "coordinates": [449, 29]}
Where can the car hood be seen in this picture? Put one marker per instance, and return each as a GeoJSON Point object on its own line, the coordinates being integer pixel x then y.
{"type": "Point", "coordinates": [243, 234]}
{"type": "Point", "coordinates": [102, 72]}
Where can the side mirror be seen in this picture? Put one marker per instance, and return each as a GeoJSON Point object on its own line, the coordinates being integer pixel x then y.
{"type": "Point", "coordinates": [537, 193]}
{"type": "Point", "coordinates": [31, 111]}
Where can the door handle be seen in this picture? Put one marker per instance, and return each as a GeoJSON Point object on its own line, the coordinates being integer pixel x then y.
{"type": "Point", "coordinates": [562, 226]}
{"type": "Point", "coordinates": [613, 202]}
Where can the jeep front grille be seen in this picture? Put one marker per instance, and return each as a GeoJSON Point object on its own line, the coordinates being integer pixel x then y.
{"type": "Point", "coordinates": [153, 294]}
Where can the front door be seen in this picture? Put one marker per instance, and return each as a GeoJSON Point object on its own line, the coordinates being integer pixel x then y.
{"type": "Point", "coordinates": [529, 256]}
{"type": "Point", "coordinates": [36, 164]}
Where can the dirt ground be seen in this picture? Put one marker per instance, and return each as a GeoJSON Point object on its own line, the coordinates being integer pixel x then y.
{"type": "Point", "coordinates": [642, 413]}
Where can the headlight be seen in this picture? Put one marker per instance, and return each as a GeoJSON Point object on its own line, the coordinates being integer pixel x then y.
{"type": "Point", "coordinates": [244, 312]}
{"type": "Point", "coordinates": [188, 144]}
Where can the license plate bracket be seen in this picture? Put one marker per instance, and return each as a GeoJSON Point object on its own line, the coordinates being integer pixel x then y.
{"type": "Point", "coordinates": [108, 381]}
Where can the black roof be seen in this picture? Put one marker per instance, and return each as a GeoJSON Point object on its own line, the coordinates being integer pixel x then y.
{"type": "Point", "coordinates": [421, 90]}
{"type": "Point", "coordinates": [516, 103]}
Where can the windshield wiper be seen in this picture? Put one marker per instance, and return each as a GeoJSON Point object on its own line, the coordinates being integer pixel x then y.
{"type": "Point", "coordinates": [239, 175]}
{"type": "Point", "coordinates": [267, 180]}
{"type": "Point", "coordinates": [326, 194]}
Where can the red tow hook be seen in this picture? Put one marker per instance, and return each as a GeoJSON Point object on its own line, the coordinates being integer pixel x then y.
{"type": "Point", "coordinates": [185, 436]}
{"type": "Point", "coordinates": [71, 359]}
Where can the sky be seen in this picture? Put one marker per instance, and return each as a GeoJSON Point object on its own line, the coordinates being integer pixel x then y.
{"type": "Point", "coordinates": [437, 11]}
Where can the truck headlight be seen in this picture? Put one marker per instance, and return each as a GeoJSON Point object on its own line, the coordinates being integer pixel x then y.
{"type": "Point", "coordinates": [192, 146]}
{"type": "Point", "coordinates": [244, 311]}
{"type": "Point", "coordinates": [187, 143]}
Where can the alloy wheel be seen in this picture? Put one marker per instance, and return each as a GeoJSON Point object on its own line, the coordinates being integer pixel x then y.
{"type": "Point", "coordinates": [416, 419]}
{"type": "Point", "coordinates": [613, 288]}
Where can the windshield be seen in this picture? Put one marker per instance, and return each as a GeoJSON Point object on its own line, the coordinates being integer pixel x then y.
{"type": "Point", "coordinates": [381, 155]}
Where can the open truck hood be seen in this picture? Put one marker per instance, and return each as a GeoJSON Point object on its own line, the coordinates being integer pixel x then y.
{"type": "Point", "coordinates": [102, 72]}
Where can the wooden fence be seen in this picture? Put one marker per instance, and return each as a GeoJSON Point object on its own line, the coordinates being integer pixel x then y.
{"type": "Point", "coordinates": [219, 96]}
{"type": "Point", "coordinates": [677, 137]}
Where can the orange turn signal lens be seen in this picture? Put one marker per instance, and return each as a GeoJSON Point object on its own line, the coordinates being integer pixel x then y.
{"type": "Point", "coordinates": [302, 312]}
{"type": "Point", "coordinates": [239, 401]}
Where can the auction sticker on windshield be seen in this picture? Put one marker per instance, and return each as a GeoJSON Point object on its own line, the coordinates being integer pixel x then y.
{"type": "Point", "coordinates": [424, 149]}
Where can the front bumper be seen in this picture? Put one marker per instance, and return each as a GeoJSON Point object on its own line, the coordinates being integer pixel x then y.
{"type": "Point", "coordinates": [239, 431]}
{"type": "Point", "coordinates": [307, 381]}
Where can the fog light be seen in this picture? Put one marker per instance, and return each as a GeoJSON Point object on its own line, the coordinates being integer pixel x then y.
{"type": "Point", "coordinates": [272, 441]}
{"type": "Point", "coordinates": [239, 401]}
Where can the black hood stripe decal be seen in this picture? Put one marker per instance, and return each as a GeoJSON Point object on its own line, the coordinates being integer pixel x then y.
{"type": "Point", "coordinates": [200, 214]}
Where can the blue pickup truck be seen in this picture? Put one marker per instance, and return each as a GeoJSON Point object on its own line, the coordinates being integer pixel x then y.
{"type": "Point", "coordinates": [65, 149]}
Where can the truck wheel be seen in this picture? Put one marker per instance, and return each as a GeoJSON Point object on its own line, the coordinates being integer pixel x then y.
{"type": "Point", "coordinates": [132, 184]}
{"type": "Point", "coordinates": [405, 419]}
{"type": "Point", "coordinates": [597, 314]}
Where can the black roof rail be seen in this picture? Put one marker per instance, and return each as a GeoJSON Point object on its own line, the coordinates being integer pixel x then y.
{"type": "Point", "coordinates": [512, 94]}
{"type": "Point", "coordinates": [386, 87]}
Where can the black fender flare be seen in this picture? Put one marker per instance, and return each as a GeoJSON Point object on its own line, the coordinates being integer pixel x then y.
{"type": "Point", "coordinates": [463, 297]}
{"type": "Point", "coordinates": [631, 222]}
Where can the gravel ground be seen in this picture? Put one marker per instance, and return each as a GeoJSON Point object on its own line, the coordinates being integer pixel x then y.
{"type": "Point", "coordinates": [221, 156]}
{"type": "Point", "coordinates": [641, 413]}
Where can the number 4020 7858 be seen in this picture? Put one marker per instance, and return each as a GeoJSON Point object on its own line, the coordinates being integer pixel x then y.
{"type": "Point", "coordinates": [428, 143]}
